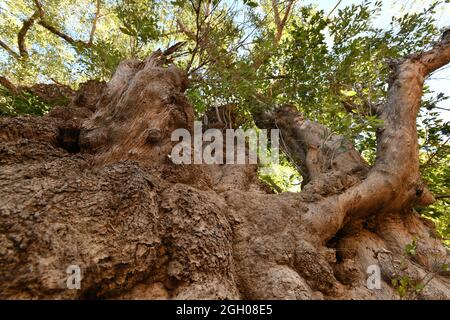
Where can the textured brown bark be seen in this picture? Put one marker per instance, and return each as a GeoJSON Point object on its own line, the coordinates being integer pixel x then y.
{"type": "Point", "coordinates": [91, 184]}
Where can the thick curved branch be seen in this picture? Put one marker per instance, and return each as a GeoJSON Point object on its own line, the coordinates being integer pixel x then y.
{"type": "Point", "coordinates": [394, 182]}
{"type": "Point", "coordinates": [39, 8]}
{"type": "Point", "coordinates": [27, 24]}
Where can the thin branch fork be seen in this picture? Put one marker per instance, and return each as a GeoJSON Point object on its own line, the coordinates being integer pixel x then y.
{"type": "Point", "coordinates": [60, 34]}
{"type": "Point", "coordinates": [280, 24]}
{"type": "Point", "coordinates": [435, 153]}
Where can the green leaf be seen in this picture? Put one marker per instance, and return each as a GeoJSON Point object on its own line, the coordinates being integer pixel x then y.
{"type": "Point", "coordinates": [419, 287]}
{"type": "Point", "coordinates": [251, 4]}
{"type": "Point", "coordinates": [348, 93]}
{"type": "Point", "coordinates": [127, 31]}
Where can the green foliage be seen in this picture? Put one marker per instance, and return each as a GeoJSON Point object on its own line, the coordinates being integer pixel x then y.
{"type": "Point", "coordinates": [401, 285]}
{"type": "Point", "coordinates": [23, 103]}
{"type": "Point", "coordinates": [404, 285]}
{"type": "Point", "coordinates": [320, 73]}
{"type": "Point", "coordinates": [434, 138]}
{"type": "Point", "coordinates": [411, 248]}
{"type": "Point", "coordinates": [281, 177]}
{"type": "Point", "coordinates": [101, 60]}
{"type": "Point", "coordinates": [138, 19]}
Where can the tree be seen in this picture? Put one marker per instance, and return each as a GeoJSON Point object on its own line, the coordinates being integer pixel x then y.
{"type": "Point", "coordinates": [89, 183]}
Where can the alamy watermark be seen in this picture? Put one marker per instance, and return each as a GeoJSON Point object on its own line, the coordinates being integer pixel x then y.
{"type": "Point", "coordinates": [374, 277]}
{"type": "Point", "coordinates": [215, 147]}
{"type": "Point", "coordinates": [73, 281]}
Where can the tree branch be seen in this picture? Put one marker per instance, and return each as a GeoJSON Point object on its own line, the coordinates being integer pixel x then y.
{"type": "Point", "coordinates": [183, 29]}
{"type": "Point", "coordinates": [435, 153]}
{"type": "Point", "coordinates": [312, 147]}
{"type": "Point", "coordinates": [23, 32]}
{"type": "Point", "coordinates": [60, 34]}
{"type": "Point", "coordinates": [39, 8]}
{"type": "Point", "coordinates": [57, 32]}
{"type": "Point", "coordinates": [394, 182]}
{"type": "Point", "coordinates": [94, 23]}
{"type": "Point", "coordinates": [276, 13]}
{"type": "Point", "coordinates": [40, 14]}
{"type": "Point", "coordinates": [281, 22]}
{"type": "Point", "coordinates": [27, 24]}
{"type": "Point", "coordinates": [287, 13]}
{"type": "Point", "coordinates": [198, 26]}
{"type": "Point", "coordinates": [334, 8]}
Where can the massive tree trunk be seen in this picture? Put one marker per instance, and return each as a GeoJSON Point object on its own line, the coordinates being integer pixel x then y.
{"type": "Point", "coordinates": [91, 184]}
